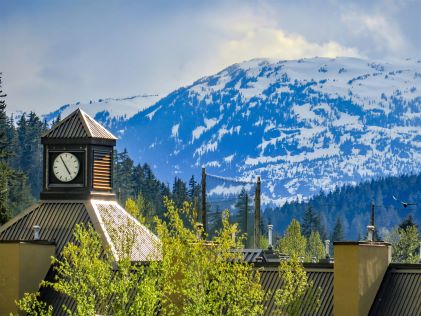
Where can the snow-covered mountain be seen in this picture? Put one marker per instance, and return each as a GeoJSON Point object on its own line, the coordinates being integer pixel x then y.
{"type": "Point", "coordinates": [303, 126]}
{"type": "Point", "coordinates": [109, 110]}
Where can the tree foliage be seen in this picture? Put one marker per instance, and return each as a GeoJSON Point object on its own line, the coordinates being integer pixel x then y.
{"type": "Point", "coordinates": [405, 244]}
{"type": "Point", "coordinates": [193, 277]}
{"type": "Point", "coordinates": [293, 243]}
{"type": "Point", "coordinates": [315, 248]}
{"type": "Point", "coordinates": [296, 291]}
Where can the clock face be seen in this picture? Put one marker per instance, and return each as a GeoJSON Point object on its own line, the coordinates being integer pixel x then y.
{"type": "Point", "coordinates": [66, 167]}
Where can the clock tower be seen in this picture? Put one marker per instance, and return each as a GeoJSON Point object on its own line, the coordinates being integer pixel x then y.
{"type": "Point", "coordinates": [78, 159]}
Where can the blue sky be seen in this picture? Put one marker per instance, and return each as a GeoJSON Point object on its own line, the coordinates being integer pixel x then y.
{"type": "Point", "coordinates": [56, 52]}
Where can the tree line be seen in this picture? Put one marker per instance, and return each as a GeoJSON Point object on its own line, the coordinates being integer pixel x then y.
{"type": "Point", "coordinates": [20, 160]}
{"type": "Point", "coordinates": [346, 211]}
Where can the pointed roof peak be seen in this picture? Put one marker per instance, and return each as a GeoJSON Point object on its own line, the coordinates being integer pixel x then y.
{"type": "Point", "coordinates": [78, 124]}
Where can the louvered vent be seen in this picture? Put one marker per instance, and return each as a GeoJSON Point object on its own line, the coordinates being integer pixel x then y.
{"type": "Point", "coordinates": [102, 170]}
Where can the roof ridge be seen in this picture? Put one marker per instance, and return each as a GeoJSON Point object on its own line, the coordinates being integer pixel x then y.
{"type": "Point", "coordinates": [84, 122]}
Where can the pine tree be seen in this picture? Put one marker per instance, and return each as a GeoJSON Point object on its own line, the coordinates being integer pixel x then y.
{"type": "Point", "coordinates": [408, 221]}
{"type": "Point", "coordinates": [243, 208]}
{"type": "Point", "coordinates": [123, 180]}
{"type": "Point", "coordinates": [179, 192]}
{"type": "Point", "coordinates": [338, 231]}
{"type": "Point", "coordinates": [308, 221]}
{"type": "Point", "coordinates": [5, 171]}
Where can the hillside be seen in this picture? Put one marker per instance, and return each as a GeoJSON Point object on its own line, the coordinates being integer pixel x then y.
{"type": "Point", "coordinates": [353, 205]}
{"type": "Point", "coordinates": [303, 125]}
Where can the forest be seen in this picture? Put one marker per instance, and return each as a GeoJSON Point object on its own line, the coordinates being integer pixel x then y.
{"type": "Point", "coordinates": [345, 212]}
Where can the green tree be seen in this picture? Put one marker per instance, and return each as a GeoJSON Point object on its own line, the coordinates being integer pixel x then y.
{"type": "Point", "coordinates": [406, 249]}
{"type": "Point", "coordinates": [123, 180]}
{"type": "Point", "coordinates": [179, 192]}
{"type": "Point", "coordinates": [5, 171]}
{"type": "Point", "coordinates": [141, 209]}
{"type": "Point", "coordinates": [315, 247]}
{"type": "Point", "coordinates": [309, 221]}
{"type": "Point", "coordinates": [192, 277]}
{"type": "Point", "coordinates": [243, 209]}
{"type": "Point", "coordinates": [408, 221]}
{"type": "Point", "coordinates": [292, 243]}
{"type": "Point", "coordinates": [297, 291]}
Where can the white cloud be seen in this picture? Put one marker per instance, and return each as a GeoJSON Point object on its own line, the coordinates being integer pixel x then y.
{"type": "Point", "coordinates": [255, 38]}
{"type": "Point", "coordinates": [82, 50]}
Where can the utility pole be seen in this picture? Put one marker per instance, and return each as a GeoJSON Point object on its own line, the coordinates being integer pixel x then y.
{"type": "Point", "coordinates": [257, 215]}
{"type": "Point", "coordinates": [204, 199]}
{"type": "Point", "coordinates": [372, 214]}
{"type": "Point", "coordinates": [246, 217]}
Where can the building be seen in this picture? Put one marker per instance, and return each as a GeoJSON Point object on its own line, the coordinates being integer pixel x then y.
{"type": "Point", "coordinates": [77, 188]}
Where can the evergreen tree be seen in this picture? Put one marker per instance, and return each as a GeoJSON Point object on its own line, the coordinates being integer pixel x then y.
{"type": "Point", "coordinates": [243, 208]}
{"type": "Point", "coordinates": [309, 218]}
{"type": "Point", "coordinates": [338, 231]}
{"type": "Point", "coordinates": [179, 192]}
{"type": "Point", "coordinates": [407, 222]}
{"type": "Point", "coordinates": [194, 193]}
{"type": "Point", "coordinates": [123, 180]}
{"type": "Point", "coordinates": [4, 169]}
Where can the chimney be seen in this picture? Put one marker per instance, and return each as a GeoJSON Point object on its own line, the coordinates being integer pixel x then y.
{"type": "Point", "coordinates": [270, 228]}
{"type": "Point", "coordinates": [370, 233]}
{"type": "Point", "coordinates": [358, 272]}
{"type": "Point", "coordinates": [327, 248]}
{"type": "Point", "coordinates": [36, 229]}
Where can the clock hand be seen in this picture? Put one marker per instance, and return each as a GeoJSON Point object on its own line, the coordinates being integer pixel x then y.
{"type": "Point", "coordinates": [65, 166]}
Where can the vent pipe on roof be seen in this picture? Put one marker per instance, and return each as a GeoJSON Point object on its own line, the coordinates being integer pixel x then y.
{"type": "Point", "coordinates": [370, 232]}
{"type": "Point", "coordinates": [36, 229]}
{"type": "Point", "coordinates": [199, 231]}
{"type": "Point", "coordinates": [270, 228]}
{"type": "Point", "coordinates": [327, 248]}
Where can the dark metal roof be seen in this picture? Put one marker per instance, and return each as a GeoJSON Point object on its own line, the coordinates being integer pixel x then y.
{"type": "Point", "coordinates": [320, 274]}
{"type": "Point", "coordinates": [78, 125]}
{"type": "Point", "coordinates": [400, 291]}
{"type": "Point", "coordinates": [57, 221]}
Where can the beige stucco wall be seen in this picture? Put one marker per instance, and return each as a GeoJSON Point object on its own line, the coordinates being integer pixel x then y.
{"type": "Point", "coordinates": [358, 272]}
{"type": "Point", "coordinates": [22, 267]}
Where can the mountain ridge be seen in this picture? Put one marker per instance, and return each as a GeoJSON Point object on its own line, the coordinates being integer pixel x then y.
{"type": "Point", "coordinates": [303, 126]}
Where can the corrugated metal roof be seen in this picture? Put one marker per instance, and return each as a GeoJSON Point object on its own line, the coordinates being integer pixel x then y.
{"type": "Point", "coordinates": [320, 274]}
{"type": "Point", "coordinates": [253, 255]}
{"type": "Point", "coordinates": [78, 124]}
{"type": "Point", "coordinates": [120, 228]}
{"type": "Point", "coordinates": [400, 292]}
{"type": "Point", "coordinates": [56, 219]}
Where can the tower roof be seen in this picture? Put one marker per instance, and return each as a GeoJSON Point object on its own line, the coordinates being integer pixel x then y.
{"type": "Point", "coordinates": [78, 125]}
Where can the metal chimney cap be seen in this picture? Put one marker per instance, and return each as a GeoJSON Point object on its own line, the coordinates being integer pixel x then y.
{"type": "Point", "coordinates": [36, 229]}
